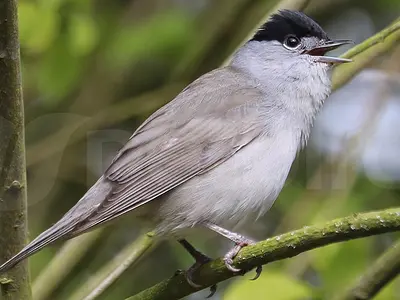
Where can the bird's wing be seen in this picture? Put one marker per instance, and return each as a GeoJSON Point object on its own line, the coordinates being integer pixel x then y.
{"type": "Point", "coordinates": [177, 154]}
{"type": "Point", "coordinates": [204, 125]}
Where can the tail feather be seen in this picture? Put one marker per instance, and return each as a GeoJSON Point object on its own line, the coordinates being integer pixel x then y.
{"type": "Point", "coordinates": [47, 237]}
{"type": "Point", "coordinates": [67, 226]}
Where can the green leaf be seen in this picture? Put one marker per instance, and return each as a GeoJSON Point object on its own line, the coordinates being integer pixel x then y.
{"type": "Point", "coordinates": [271, 285]}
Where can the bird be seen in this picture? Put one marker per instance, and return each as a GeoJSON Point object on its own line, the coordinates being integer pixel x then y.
{"type": "Point", "coordinates": [220, 152]}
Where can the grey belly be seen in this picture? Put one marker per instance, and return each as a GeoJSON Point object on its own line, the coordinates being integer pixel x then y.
{"type": "Point", "coordinates": [243, 187]}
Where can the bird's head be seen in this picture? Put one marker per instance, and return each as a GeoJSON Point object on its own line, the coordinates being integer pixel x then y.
{"type": "Point", "coordinates": [294, 35]}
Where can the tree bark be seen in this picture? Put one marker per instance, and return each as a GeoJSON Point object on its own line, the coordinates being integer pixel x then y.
{"type": "Point", "coordinates": [13, 201]}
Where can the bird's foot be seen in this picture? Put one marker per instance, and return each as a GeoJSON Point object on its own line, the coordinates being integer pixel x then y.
{"type": "Point", "coordinates": [241, 242]}
{"type": "Point", "coordinates": [201, 259]}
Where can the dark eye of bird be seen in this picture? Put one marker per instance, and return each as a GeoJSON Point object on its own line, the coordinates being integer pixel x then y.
{"type": "Point", "coordinates": [291, 42]}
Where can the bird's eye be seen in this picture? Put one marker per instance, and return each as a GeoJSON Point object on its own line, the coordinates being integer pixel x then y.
{"type": "Point", "coordinates": [291, 42]}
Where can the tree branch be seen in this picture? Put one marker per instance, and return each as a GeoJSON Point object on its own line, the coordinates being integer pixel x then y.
{"type": "Point", "coordinates": [384, 270]}
{"type": "Point", "coordinates": [374, 40]}
{"type": "Point", "coordinates": [110, 272]}
{"type": "Point", "coordinates": [363, 54]}
{"type": "Point", "coordinates": [62, 264]}
{"type": "Point", "coordinates": [13, 202]}
{"type": "Point", "coordinates": [277, 248]}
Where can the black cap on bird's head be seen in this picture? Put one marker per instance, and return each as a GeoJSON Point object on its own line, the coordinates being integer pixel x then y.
{"type": "Point", "coordinates": [293, 28]}
{"type": "Point", "coordinates": [288, 22]}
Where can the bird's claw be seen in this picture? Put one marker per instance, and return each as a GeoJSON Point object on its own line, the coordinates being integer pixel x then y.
{"type": "Point", "coordinates": [178, 272]}
{"type": "Point", "coordinates": [189, 278]}
{"type": "Point", "coordinates": [201, 259]}
{"type": "Point", "coordinates": [228, 264]}
{"type": "Point", "coordinates": [258, 273]}
{"type": "Point", "coordinates": [213, 289]}
{"type": "Point", "coordinates": [228, 259]}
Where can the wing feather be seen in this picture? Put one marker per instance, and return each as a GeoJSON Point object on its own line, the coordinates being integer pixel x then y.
{"type": "Point", "coordinates": [156, 179]}
{"type": "Point", "coordinates": [147, 168]}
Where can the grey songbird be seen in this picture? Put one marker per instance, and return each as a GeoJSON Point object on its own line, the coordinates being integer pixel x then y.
{"type": "Point", "coordinates": [220, 152]}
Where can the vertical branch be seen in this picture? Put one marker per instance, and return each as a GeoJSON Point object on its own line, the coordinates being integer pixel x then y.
{"type": "Point", "coordinates": [13, 200]}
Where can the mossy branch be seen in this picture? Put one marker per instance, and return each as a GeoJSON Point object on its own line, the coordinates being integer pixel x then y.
{"type": "Point", "coordinates": [279, 247]}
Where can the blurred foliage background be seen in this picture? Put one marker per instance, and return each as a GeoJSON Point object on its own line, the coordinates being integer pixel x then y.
{"type": "Point", "coordinates": [93, 70]}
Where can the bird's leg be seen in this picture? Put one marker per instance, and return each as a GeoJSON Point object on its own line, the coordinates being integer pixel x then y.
{"type": "Point", "coordinates": [240, 242]}
{"type": "Point", "coordinates": [201, 259]}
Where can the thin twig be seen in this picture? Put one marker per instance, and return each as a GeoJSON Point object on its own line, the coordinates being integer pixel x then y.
{"type": "Point", "coordinates": [62, 264]}
{"type": "Point", "coordinates": [383, 270]}
{"type": "Point", "coordinates": [376, 39]}
{"type": "Point", "coordinates": [363, 54]}
{"type": "Point", "coordinates": [110, 272]}
{"type": "Point", "coordinates": [277, 248]}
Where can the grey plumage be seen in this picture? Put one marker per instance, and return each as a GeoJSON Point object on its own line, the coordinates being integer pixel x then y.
{"type": "Point", "coordinates": [219, 152]}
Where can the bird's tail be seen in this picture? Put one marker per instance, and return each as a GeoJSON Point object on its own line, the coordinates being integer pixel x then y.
{"type": "Point", "coordinates": [47, 237]}
{"type": "Point", "coordinates": [67, 226]}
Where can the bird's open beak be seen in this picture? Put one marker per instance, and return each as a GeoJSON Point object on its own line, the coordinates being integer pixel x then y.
{"type": "Point", "coordinates": [320, 50]}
